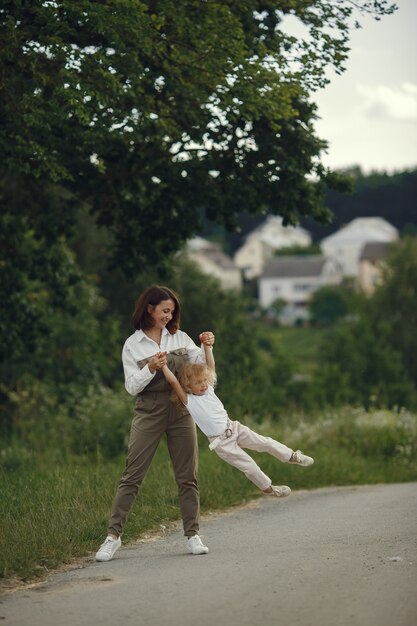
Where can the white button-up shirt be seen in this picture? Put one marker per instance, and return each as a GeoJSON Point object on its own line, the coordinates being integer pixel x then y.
{"type": "Point", "coordinates": [139, 346]}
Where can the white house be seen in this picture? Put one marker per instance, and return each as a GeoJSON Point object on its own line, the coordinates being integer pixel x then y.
{"type": "Point", "coordinates": [293, 279]}
{"type": "Point", "coordinates": [371, 259]}
{"type": "Point", "coordinates": [346, 244]}
{"type": "Point", "coordinates": [261, 243]}
{"type": "Point", "coordinates": [211, 260]}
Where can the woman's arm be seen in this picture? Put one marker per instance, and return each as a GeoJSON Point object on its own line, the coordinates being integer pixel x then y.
{"type": "Point", "coordinates": [173, 381]}
{"type": "Point", "coordinates": [136, 379]}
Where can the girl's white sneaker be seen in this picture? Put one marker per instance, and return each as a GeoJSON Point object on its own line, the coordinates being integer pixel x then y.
{"type": "Point", "coordinates": [298, 458]}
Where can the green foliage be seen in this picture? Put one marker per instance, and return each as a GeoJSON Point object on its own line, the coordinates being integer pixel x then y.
{"type": "Point", "coordinates": [149, 110]}
{"type": "Point", "coordinates": [276, 307]}
{"type": "Point", "coordinates": [299, 250]}
{"type": "Point", "coordinates": [370, 359]}
{"type": "Point", "coordinates": [360, 367]}
{"type": "Point", "coordinates": [330, 304]}
{"type": "Point", "coordinates": [395, 301]}
{"type": "Point", "coordinates": [150, 114]}
{"type": "Point", "coordinates": [66, 341]}
{"type": "Point", "coordinates": [37, 277]}
{"type": "Point", "coordinates": [90, 421]}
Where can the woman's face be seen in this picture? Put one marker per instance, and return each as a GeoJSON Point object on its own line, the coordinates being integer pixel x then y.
{"type": "Point", "coordinates": [161, 313]}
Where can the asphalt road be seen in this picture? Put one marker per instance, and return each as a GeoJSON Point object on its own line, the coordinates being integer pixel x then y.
{"type": "Point", "coordinates": [329, 557]}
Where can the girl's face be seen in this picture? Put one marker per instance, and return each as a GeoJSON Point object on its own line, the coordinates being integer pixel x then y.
{"type": "Point", "coordinates": [161, 313]}
{"type": "Point", "coordinates": [199, 386]}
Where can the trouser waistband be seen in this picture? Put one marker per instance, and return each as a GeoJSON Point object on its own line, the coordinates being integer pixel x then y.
{"type": "Point", "coordinates": [215, 440]}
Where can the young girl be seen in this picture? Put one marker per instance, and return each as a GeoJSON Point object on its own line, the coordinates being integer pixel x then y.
{"type": "Point", "coordinates": [195, 389]}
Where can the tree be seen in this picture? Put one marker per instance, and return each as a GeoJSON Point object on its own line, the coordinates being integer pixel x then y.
{"type": "Point", "coordinates": [391, 196]}
{"type": "Point", "coordinates": [151, 112]}
{"type": "Point", "coordinates": [395, 302]}
{"type": "Point", "coordinates": [359, 366]}
{"type": "Point", "coordinates": [329, 304]}
{"type": "Point", "coordinates": [372, 359]}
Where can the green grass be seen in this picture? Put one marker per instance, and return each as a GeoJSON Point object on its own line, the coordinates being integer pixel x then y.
{"type": "Point", "coordinates": [54, 512]}
{"type": "Point", "coordinates": [301, 344]}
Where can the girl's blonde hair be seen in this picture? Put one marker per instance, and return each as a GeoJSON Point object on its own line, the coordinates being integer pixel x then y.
{"type": "Point", "coordinates": [190, 372]}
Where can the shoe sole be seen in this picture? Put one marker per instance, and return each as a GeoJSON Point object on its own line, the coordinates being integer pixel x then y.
{"type": "Point", "coordinates": [274, 494]}
{"type": "Point", "coordinates": [301, 464]}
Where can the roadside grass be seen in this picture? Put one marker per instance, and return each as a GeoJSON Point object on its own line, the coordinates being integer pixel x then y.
{"type": "Point", "coordinates": [55, 511]}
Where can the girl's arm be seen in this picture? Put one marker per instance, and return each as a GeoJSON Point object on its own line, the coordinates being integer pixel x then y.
{"type": "Point", "coordinates": [207, 339]}
{"type": "Point", "coordinates": [208, 351]}
{"type": "Point", "coordinates": [173, 381]}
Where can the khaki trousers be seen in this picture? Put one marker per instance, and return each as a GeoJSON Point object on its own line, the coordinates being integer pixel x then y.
{"type": "Point", "coordinates": [155, 415]}
{"type": "Point", "coordinates": [230, 450]}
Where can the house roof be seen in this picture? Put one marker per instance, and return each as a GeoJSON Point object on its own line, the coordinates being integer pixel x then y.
{"type": "Point", "coordinates": [375, 250]}
{"type": "Point", "coordinates": [273, 232]}
{"type": "Point", "coordinates": [220, 259]}
{"type": "Point", "coordinates": [364, 229]}
{"type": "Point", "coordinates": [211, 251]}
{"type": "Point", "coordinates": [196, 244]}
{"type": "Point", "coordinates": [294, 266]}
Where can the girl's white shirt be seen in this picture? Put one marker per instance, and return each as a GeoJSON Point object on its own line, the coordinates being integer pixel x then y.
{"type": "Point", "coordinates": [208, 412]}
{"type": "Point", "coordinates": [139, 346]}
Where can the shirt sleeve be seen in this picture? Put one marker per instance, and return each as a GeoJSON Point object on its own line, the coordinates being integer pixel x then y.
{"type": "Point", "coordinates": [136, 379]}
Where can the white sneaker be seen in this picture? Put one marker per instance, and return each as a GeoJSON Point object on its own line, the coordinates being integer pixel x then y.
{"type": "Point", "coordinates": [279, 492]}
{"type": "Point", "coordinates": [196, 546]}
{"type": "Point", "coordinates": [108, 549]}
{"type": "Point", "coordinates": [298, 458]}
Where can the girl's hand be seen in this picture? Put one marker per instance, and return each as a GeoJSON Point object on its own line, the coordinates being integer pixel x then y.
{"type": "Point", "coordinates": [207, 338]}
{"type": "Point", "coordinates": [157, 362]}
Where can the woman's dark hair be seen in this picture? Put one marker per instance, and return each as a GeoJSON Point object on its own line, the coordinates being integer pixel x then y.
{"type": "Point", "coordinates": [153, 295]}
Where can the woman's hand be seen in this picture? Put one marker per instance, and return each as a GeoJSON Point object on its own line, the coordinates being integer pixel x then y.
{"type": "Point", "coordinates": [207, 338]}
{"type": "Point", "coordinates": [157, 362]}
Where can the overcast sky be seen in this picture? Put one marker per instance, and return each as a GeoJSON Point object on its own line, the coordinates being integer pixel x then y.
{"type": "Point", "coordinates": [369, 113]}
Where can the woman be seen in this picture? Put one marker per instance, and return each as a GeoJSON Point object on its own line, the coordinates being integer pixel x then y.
{"type": "Point", "coordinates": [156, 342]}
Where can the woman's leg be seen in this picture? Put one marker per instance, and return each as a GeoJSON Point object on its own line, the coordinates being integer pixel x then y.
{"type": "Point", "coordinates": [142, 446]}
{"type": "Point", "coordinates": [183, 450]}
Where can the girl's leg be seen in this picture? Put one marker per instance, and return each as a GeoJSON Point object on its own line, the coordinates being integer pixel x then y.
{"type": "Point", "coordinates": [232, 453]}
{"type": "Point", "coordinates": [183, 450]}
{"type": "Point", "coordinates": [247, 438]}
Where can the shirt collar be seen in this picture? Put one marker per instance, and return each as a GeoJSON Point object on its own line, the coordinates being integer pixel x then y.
{"type": "Point", "coordinates": [140, 335]}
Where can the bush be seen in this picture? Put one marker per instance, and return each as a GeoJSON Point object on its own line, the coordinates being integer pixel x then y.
{"type": "Point", "coordinates": [359, 366]}
{"type": "Point", "coordinates": [94, 422]}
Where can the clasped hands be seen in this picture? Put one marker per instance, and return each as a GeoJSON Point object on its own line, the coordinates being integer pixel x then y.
{"type": "Point", "coordinates": [159, 359]}
{"type": "Point", "coordinates": [207, 338]}
{"type": "Point", "coordinates": [157, 362]}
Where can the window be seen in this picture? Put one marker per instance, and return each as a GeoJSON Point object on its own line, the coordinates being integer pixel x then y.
{"type": "Point", "coordinates": [303, 287]}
